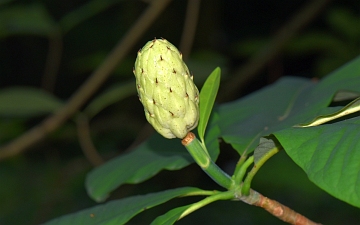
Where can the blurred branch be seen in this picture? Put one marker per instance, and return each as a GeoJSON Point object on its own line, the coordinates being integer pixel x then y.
{"type": "Point", "coordinates": [191, 20]}
{"type": "Point", "coordinates": [53, 60]}
{"type": "Point", "coordinates": [89, 87]}
{"type": "Point", "coordinates": [87, 146]}
{"type": "Point", "coordinates": [276, 45]}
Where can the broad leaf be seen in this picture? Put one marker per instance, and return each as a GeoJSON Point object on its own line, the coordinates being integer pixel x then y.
{"type": "Point", "coordinates": [27, 102]}
{"type": "Point", "coordinates": [207, 99]}
{"type": "Point", "coordinates": [330, 156]}
{"type": "Point", "coordinates": [121, 211]}
{"type": "Point", "coordinates": [290, 101]}
{"type": "Point", "coordinates": [352, 107]}
{"type": "Point", "coordinates": [243, 122]}
{"type": "Point", "coordinates": [145, 161]}
{"type": "Point", "coordinates": [287, 102]}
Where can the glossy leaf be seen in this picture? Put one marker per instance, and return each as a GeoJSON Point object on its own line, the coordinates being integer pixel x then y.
{"type": "Point", "coordinates": [27, 102]}
{"type": "Point", "coordinates": [145, 161]}
{"type": "Point", "coordinates": [352, 107]}
{"type": "Point", "coordinates": [287, 102]}
{"type": "Point", "coordinates": [290, 101]}
{"type": "Point", "coordinates": [121, 211]}
{"type": "Point", "coordinates": [330, 156]}
{"type": "Point", "coordinates": [207, 99]}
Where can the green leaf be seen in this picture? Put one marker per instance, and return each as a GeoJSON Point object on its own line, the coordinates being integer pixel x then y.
{"type": "Point", "coordinates": [121, 211]}
{"type": "Point", "coordinates": [27, 102]}
{"type": "Point", "coordinates": [26, 20]}
{"type": "Point", "coordinates": [290, 101]}
{"type": "Point", "coordinates": [145, 161]}
{"type": "Point", "coordinates": [344, 95]}
{"type": "Point", "coordinates": [330, 156]}
{"type": "Point", "coordinates": [265, 145]}
{"type": "Point", "coordinates": [352, 107]}
{"type": "Point", "coordinates": [207, 99]}
{"type": "Point", "coordinates": [171, 216]}
{"type": "Point", "coordinates": [287, 102]}
{"type": "Point", "coordinates": [243, 122]}
{"type": "Point", "coordinates": [110, 96]}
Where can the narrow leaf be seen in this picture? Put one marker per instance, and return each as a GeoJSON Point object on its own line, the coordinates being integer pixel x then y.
{"type": "Point", "coordinates": [207, 99]}
{"type": "Point", "coordinates": [171, 216]}
{"type": "Point", "coordinates": [121, 211]}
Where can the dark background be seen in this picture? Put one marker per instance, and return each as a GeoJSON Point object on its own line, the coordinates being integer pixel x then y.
{"type": "Point", "coordinates": [47, 180]}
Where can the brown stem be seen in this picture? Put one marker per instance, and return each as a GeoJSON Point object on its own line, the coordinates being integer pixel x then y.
{"type": "Point", "coordinates": [52, 61]}
{"type": "Point", "coordinates": [87, 146]}
{"type": "Point", "coordinates": [89, 87]}
{"type": "Point", "coordinates": [277, 209]}
{"type": "Point", "coordinates": [273, 48]}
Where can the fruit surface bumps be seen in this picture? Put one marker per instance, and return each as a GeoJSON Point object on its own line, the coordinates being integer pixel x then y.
{"type": "Point", "coordinates": [166, 89]}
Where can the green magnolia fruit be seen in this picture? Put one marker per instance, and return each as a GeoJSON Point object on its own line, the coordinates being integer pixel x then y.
{"type": "Point", "coordinates": [166, 89]}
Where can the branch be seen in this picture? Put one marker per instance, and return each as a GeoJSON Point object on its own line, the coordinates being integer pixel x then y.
{"type": "Point", "coordinates": [277, 209]}
{"type": "Point", "coordinates": [87, 146]}
{"type": "Point", "coordinates": [53, 61]}
{"type": "Point", "coordinates": [271, 50]}
{"type": "Point", "coordinates": [191, 20]}
{"type": "Point", "coordinates": [80, 97]}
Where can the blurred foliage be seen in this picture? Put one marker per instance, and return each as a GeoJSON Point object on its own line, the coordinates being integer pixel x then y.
{"type": "Point", "coordinates": [48, 180]}
{"type": "Point", "coordinates": [331, 47]}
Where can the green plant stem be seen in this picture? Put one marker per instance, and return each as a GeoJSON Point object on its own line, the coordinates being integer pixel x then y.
{"type": "Point", "coordinates": [202, 158]}
{"type": "Point", "coordinates": [240, 173]}
{"type": "Point", "coordinates": [219, 196]}
{"type": "Point", "coordinates": [240, 163]}
{"type": "Point", "coordinates": [245, 190]}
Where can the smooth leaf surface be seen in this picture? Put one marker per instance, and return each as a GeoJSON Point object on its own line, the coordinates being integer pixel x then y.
{"type": "Point", "coordinates": [171, 216]}
{"type": "Point", "coordinates": [345, 95]}
{"type": "Point", "coordinates": [287, 102]}
{"type": "Point", "coordinates": [352, 107]}
{"type": "Point", "coordinates": [330, 156]}
{"type": "Point", "coordinates": [243, 122]}
{"type": "Point", "coordinates": [140, 164]}
{"type": "Point", "coordinates": [120, 211]}
{"type": "Point", "coordinates": [27, 102]}
{"type": "Point", "coordinates": [290, 101]}
{"type": "Point", "coordinates": [207, 99]}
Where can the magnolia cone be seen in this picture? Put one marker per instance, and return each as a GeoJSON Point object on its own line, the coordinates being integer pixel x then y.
{"type": "Point", "coordinates": [166, 89]}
